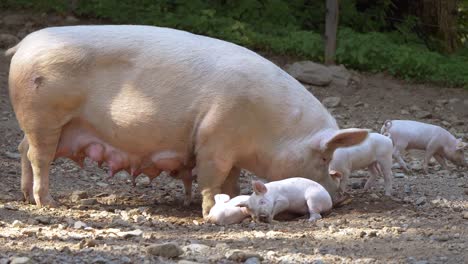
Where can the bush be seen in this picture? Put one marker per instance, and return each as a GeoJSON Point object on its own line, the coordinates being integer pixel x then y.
{"type": "Point", "coordinates": [286, 28]}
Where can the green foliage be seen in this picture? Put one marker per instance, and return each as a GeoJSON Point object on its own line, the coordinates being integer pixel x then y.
{"type": "Point", "coordinates": [290, 28]}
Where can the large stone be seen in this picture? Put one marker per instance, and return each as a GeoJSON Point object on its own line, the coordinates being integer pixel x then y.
{"type": "Point", "coordinates": [331, 102]}
{"type": "Point", "coordinates": [14, 20]}
{"type": "Point", "coordinates": [167, 250]}
{"type": "Point", "coordinates": [8, 41]}
{"type": "Point", "coordinates": [311, 73]}
{"type": "Point", "coordinates": [341, 76]}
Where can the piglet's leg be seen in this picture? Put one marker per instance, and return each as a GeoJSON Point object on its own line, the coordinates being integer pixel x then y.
{"type": "Point", "coordinates": [314, 211]}
{"type": "Point", "coordinates": [441, 161]}
{"type": "Point", "coordinates": [430, 151]}
{"type": "Point", "coordinates": [26, 172]}
{"type": "Point", "coordinates": [386, 171]}
{"type": "Point", "coordinates": [281, 204]}
{"type": "Point", "coordinates": [373, 171]}
{"type": "Point", "coordinates": [397, 156]}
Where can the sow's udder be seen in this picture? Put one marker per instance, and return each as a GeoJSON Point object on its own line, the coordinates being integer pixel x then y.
{"type": "Point", "coordinates": [78, 142]}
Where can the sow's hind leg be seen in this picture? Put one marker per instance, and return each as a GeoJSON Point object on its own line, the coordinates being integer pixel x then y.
{"type": "Point", "coordinates": [26, 172]}
{"type": "Point", "coordinates": [41, 152]}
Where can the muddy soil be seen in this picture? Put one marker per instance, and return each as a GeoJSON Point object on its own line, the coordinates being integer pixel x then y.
{"type": "Point", "coordinates": [426, 221]}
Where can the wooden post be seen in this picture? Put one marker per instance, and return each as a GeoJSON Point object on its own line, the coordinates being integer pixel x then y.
{"type": "Point", "coordinates": [331, 27]}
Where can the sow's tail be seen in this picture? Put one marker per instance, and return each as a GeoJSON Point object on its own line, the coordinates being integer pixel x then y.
{"type": "Point", "coordinates": [12, 51]}
{"type": "Point", "coordinates": [386, 126]}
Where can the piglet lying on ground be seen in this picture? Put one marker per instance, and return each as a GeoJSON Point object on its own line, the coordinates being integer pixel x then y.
{"type": "Point", "coordinates": [294, 195]}
{"type": "Point", "coordinates": [436, 141]}
{"type": "Point", "coordinates": [375, 153]}
{"type": "Point", "coordinates": [226, 212]}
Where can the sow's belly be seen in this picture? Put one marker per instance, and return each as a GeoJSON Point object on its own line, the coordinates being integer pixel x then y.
{"type": "Point", "coordinates": [135, 148]}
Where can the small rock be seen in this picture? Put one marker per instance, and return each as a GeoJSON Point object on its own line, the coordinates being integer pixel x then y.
{"type": "Point", "coordinates": [238, 255]}
{"type": "Point", "coordinates": [66, 250]}
{"type": "Point", "coordinates": [45, 220]}
{"type": "Point", "coordinates": [14, 20]}
{"type": "Point", "coordinates": [423, 114]}
{"type": "Point", "coordinates": [79, 225]}
{"type": "Point", "coordinates": [89, 201]}
{"type": "Point", "coordinates": [252, 261]}
{"type": "Point", "coordinates": [129, 234]}
{"type": "Point", "coordinates": [6, 197]}
{"type": "Point", "coordinates": [407, 189]}
{"type": "Point", "coordinates": [20, 260]}
{"type": "Point", "coordinates": [88, 243]}
{"type": "Point", "coordinates": [441, 101]}
{"type": "Point", "coordinates": [102, 184]}
{"type": "Point", "coordinates": [441, 238]}
{"type": "Point", "coordinates": [331, 102]}
{"type": "Point", "coordinates": [78, 195]}
{"type": "Point", "coordinates": [125, 260]}
{"type": "Point", "coordinates": [100, 260]}
{"type": "Point", "coordinates": [183, 261]}
{"type": "Point", "coordinates": [72, 20]}
{"type": "Point", "coordinates": [414, 109]}
{"type": "Point", "coordinates": [143, 181]}
{"type": "Point", "coordinates": [197, 249]}
{"type": "Point", "coordinates": [404, 112]}
{"type": "Point", "coordinates": [358, 104]}
{"type": "Point", "coordinates": [12, 155]}
{"type": "Point", "coordinates": [372, 233]}
{"type": "Point", "coordinates": [310, 73]}
{"type": "Point", "coordinates": [446, 124]}
{"type": "Point", "coordinates": [8, 41]}
{"type": "Point", "coordinates": [454, 100]}
{"type": "Point", "coordinates": [465, 215]}
{"type": "Point", "coordinates": [17, 223]}
{"type": "Point", "coordinates": [10, 207]}
{"type": "Point", "coordinates": [356, 185]}
{"type": "Point", "coordinates": [110, 200]}
{"type": "Point", "coordinates": [374, 196]}
{"type": "Point", "coordinates": [421, 200]}
{"type": "Point", "coordinates": [167, 250]}
{"type": "Point", "coordinates": [399, 175]}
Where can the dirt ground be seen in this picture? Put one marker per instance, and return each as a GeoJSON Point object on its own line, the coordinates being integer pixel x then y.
{"type": "Point", "coordinates": [426, 221]}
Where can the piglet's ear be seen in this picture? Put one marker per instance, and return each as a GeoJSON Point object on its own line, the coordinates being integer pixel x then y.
{"type": "Point", "coordinates": [462, 146]}
{"type": "Point", "coordinates": [335, 174]}
{"type": "Point", "coordinates": [221, 198]}
{"type": "Point", "coordinates": [259, 187]}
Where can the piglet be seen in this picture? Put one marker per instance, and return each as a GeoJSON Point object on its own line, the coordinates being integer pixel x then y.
{"type": "Point", "coordinates": [226, 212]}
{"type": "Point", "coordinates": [436, 141]}
{"type": "Point", "coordinates": [374, 153]}
{"type": "Point", "coordinates": [293, 195]}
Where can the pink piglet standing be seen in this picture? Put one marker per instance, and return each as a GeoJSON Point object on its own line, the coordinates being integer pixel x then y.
{"type": "Point", "coordinates": [436, 141]}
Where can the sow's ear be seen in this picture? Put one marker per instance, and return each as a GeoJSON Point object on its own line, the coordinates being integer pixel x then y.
{"type": "Point", "coordinates": [342, 138]}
